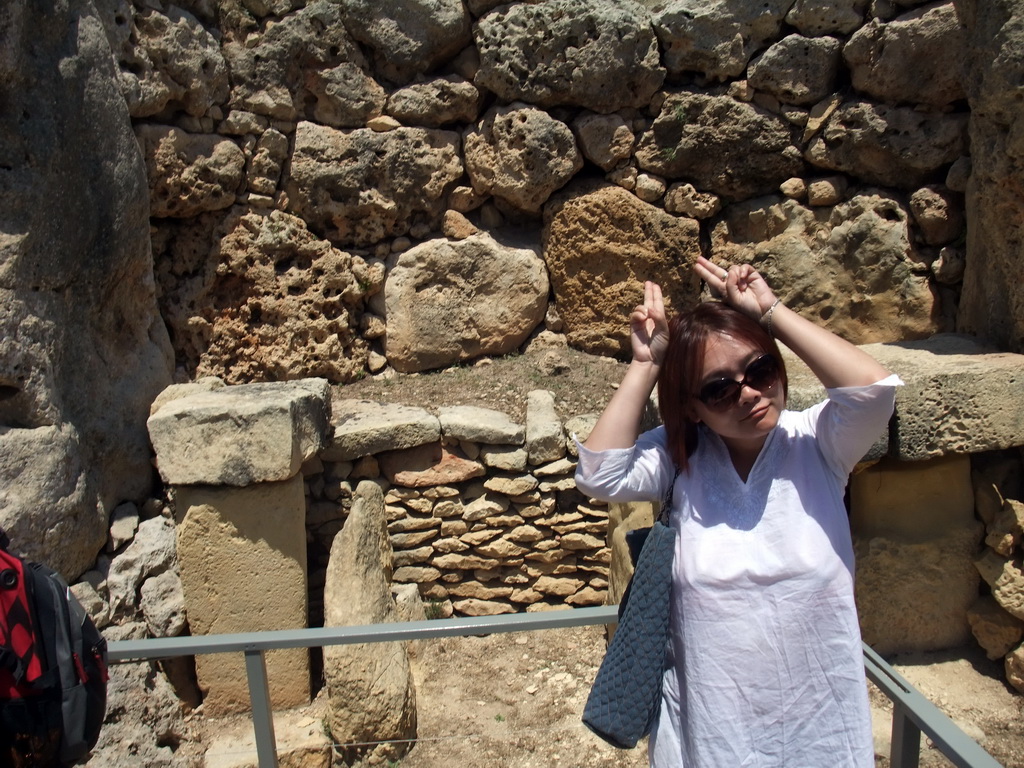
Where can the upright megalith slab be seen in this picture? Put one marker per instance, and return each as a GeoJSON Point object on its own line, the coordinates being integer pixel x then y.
{"type": "Point", "coordinates": [242, 555]}
{"type": "Point", "coordinates": [83, 350]}
{"type": "Point", "coordinates": [232, 456]}
{"type": "Point", "coordinates": [372, 700]}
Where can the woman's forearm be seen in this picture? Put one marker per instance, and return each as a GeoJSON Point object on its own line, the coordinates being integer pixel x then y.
{"type": "Point", "coordinates": [619, 424]}
{"type": "Point", "coordinates": [835, 361]}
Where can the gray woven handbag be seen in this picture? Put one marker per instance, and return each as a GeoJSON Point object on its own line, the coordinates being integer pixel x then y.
{"type": "Point", "coordinates": [625, 698]}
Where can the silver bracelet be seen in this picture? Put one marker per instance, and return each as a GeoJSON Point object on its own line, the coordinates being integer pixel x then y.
{"type": "Point", "coordinates": [766, 318]}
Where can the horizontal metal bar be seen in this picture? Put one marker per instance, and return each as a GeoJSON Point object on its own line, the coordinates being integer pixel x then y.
{"type": "Point", "coordinates": [947, 736]}
{"type": "Point", "coordinates": [315, 637]}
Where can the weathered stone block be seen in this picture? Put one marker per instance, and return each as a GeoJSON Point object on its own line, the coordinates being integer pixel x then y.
{"type": "Point", "coordinates": [545, 440]}
{"type": "Point", "coordinates": [481, 425]}
{"type": "Point", "coordinates": [251, 433]}
{"type": "Point", "coordinates": [362, 428]}
{"type": "Point", "coordinates": [915, 539]}
{"type": "Point", "coordinates": [960, 396]}
{"type": "Point", "coordinates": [947, 404]}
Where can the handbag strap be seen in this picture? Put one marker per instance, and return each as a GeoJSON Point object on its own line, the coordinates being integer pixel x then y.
{"type": "Point", "coordinates": [666, 503]}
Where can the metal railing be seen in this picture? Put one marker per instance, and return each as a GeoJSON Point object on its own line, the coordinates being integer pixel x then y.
{"type": "Point", "coordinates": [913, 715]}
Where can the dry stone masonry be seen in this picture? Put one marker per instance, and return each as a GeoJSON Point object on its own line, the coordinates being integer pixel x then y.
{"type": "Point", "coordinates": [284, 194]}
{"type": "Point", "coordinates": [482, 512]}
{"type": "Point", "coordinates": [314, 165]}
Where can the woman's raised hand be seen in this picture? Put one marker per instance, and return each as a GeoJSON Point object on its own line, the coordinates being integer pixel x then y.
{"type": "Point", "coordinates": [649, 327]}
{"type": "Point", "coordinates": [740, 286]}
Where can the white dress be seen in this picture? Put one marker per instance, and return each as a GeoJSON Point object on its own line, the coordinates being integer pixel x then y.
{"type": "Point", "coordinates": [765, 667]}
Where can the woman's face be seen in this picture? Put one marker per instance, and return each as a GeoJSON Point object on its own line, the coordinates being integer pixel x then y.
{"type": "Point", "coordinates": [746, 422]}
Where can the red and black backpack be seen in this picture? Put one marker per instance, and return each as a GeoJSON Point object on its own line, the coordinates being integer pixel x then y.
{"type": "Point", "coordinates": [53, 668]}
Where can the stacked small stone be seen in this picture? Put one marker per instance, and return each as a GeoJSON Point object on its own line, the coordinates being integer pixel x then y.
{"type": "Point", "coordinates": [483, 512]}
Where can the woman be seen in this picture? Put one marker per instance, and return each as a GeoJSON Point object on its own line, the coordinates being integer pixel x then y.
{"type": "Point", "coordinates": [765, 665]}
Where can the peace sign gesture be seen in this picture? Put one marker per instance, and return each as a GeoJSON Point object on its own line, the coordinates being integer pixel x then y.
{"type": "Point", "coordinates": [649, 327]}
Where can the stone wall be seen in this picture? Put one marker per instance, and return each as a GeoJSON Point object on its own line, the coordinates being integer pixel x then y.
{"type": "Point", "coordinates": [520, 168]}
{"type": "Point", "coordinates": [483, 513]}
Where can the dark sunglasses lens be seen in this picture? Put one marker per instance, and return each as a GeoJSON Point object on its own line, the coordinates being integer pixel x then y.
{"type": "Point", "coordinates": [719, 395]}
{"type": "Point", "coordinates": [762, 373]}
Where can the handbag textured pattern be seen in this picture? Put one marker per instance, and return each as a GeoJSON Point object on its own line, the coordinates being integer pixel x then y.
{"type": "Point", "coordinates": [625, 699]}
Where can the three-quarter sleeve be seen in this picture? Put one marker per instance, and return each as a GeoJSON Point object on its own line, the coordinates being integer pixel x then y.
{"type": "Point", "coordinates": [852, 419]}
{"type": "Point", "coordinates": [639, 473]}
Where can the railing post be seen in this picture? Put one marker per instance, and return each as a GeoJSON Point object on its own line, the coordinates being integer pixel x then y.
{"type": "Point", "coordinates": [262, 712]}
{"type": "Point", "coordinates": [906, 739]}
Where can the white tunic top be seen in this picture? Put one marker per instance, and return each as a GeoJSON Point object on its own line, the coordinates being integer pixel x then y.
{"type": "Point", "coordinates": [765, 667]}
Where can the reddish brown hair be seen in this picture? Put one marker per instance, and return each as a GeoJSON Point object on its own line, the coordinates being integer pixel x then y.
{"type": "Point", "coordinates": [680, 377]}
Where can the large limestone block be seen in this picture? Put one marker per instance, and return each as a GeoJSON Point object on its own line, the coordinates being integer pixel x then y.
{"type": "Point", "coordinates": [370, 685]}
{"type": "Point", "coordinates": [408, 38]}
{"type": "Point", "coordinates": [44, 500]}
{"type": "Point", "coordinates": [823, 17]}
{"type": "Point", "coordinates": [893, 146]}
{"type": "Point", "coordinates": [854, 267]}
{"type": "Point", "coordinates": [600, 243]}
{"type": "Point", "coordinates": [189, 173]}
{"type": "Point", "coordinates": [995, 629]}
{"type": "Point", "coordinates": [304, 66]}
{"type": "Point", "coordinates": [912, 501]}
{"type": "Point", "coordinates": [797, 69]}
{"type": "Point", "coordinates": [362, 428]}
{"type": "Point", "coordinates": [715, 37]}
{"type": "Point", "coordinates": [521, 155]}
{"type": "Point", "coordinates": [992, 300]}
{"type": "Point", "coordinates": [250, 433]}
{"type": "Point", "coordinates": [82, 348]}
{"type": "Point", "coordinates": [722, 145]}
{"type": "Point", "coordinates": [601, 56]}
{"type": "Point", "coordinates": [436, 102]}
{"type": "Point", "coordinates": [242, 555]}
{"type": "Point", "coordinates": [960, 396]}
{"type": "Point", "coordinates": [914, 597]}
{"type": "Point", "coordinates": [451, 301]}
{"type": "Point", "coordinates": [480, 425]}
{"type": "Point", "coordinates": [915, 538]}
{"type": "Point", "coordinates": [914, 59]}
{"type": "Point", "coordinates": [273, 302]}
{"type": "Point", "coordinates": [165, 59]}
{"type": "Point", "coordinates": [361, 186]}
{"type": "Point", "coordinates": [1006, 579]}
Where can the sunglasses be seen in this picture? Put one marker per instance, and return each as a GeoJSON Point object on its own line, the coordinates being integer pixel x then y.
{"type": "Point", "coordinates": [723, 394]}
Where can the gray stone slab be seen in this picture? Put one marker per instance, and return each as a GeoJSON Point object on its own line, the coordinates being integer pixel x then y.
{"type": "Point", "coordinates": [363, 428]}
{"type": "Point", "coordinates": [959, 396]}
{"type": "Point", "coordinates": [241, 435]}
{"type": "Point", "coordinates": [481, 425]}
{"type": "Point", "coordinates": [545, 438]}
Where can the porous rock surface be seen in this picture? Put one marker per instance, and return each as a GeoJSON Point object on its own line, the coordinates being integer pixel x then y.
{"type": "Point", "coordinates": [452, 301]}
{"type": "Point", "coordinates": [83, 350]}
